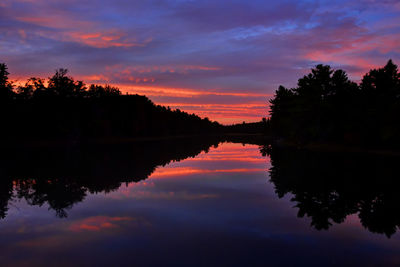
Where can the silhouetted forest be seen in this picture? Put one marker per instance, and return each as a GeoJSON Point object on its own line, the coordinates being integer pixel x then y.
{"type": "Point", "coordinates": [248, 128]}
{"type": "Point", "coordinates": [327, 106]}
{"type": "Point", "coordinates": [328, 187]}
{"type": "Point", "coordinates": [62, 107]}
{"type": "Point", "coordinates": [61, 176]}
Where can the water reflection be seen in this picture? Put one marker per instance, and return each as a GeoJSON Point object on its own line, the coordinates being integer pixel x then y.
{"type": "Point", "coordinates": [328, 187]}
{"type": "Point", "coordinates": [63, 176]}
{"type": "Point", "coordinates": [210, 209]}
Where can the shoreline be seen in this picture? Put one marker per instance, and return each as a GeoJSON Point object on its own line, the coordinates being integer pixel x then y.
{"type": "Point", "coordinates": [243, 138]}
{"type": "Point", "coordinates": [338, 148]}
{"type": "Point", "coordinates": [258, 139]}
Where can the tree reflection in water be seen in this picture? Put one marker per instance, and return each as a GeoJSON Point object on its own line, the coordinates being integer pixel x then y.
{"type": "Point", "coordinates": [327, 187]}
{"type": "Point", "coordinates": [330, 186]}
{"type": "Point", "coordinates": [63, 176]}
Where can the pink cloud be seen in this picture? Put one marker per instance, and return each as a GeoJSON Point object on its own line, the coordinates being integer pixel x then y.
{"type": "Point", "coordinates": [102, 40]}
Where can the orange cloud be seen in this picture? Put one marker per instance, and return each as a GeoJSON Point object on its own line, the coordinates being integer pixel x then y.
{"type": "Point", "coordinates": [66, 31]}
{"type": "Point", "coordinates": [95, 78]}
{"type": "Point", "coordinates": [143, 74]}
{"type": "Point", "coordinates": [160, 69]}
{"type": "Point", "coordinates": [181, 92]}
{"type": "Point", "coordinates": [224, 113]}
{"type": "Point", "coordinates": [101, 40]}
{"type": "Point", "coordinates": [349, 46]}
{"type": "Point", "coordinates": [227, 114]}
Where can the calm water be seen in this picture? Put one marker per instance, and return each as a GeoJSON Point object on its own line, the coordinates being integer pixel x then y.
{"type": "Point", "coordinates": [217, 208]}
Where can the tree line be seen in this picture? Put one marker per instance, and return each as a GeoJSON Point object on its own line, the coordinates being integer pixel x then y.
{"type": "Point", "coordinates": [62, 107]}
{"type": "Point", "coordinates": [327, 106]}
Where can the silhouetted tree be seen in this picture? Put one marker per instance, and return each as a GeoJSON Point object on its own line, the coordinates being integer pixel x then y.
{"type": "Point", "coordinates": [62, 85]}
{"type": "Point", "coordinates": [67, 109]}
{"type": "Point", "coordinates": [327, 106]}
{"type": "Point", "coordinates": [381, 92]}
{"type": "Point", "coordinates": [6, 87]}
{"type": "Point", "coordinates": [26, 91]}
{"type": "Point", "coordinates": [103, 91]}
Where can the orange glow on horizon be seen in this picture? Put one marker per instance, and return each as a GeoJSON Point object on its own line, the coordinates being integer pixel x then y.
{"type": "Point", "coordinates": [249, 110]}
{"type": "Point", "coordinates": [183, 92]}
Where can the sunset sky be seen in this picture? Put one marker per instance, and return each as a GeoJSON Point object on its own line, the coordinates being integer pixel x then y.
{"type": "Point", "coordinates": [221, 59]}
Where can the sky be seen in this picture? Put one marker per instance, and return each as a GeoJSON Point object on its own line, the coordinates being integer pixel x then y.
{"type": "Point", "coordinates": [220, 59]}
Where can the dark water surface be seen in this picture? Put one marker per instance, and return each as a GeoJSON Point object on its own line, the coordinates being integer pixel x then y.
{"type": "Point", "coordinates": [229, 206]}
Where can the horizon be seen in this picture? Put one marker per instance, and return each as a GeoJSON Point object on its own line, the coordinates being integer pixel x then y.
{"type": "Point", "coordinates": [217, 61]}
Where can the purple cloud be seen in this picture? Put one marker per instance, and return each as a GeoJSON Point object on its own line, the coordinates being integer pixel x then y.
{"type": "Point", "coordinates": [247, 47]}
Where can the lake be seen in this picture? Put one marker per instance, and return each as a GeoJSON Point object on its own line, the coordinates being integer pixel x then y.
{"type": "Point", "coordinates": [208, 204]}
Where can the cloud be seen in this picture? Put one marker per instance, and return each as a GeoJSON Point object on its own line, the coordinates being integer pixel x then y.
{"type": "Point", "coordinates": [247, 47]}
